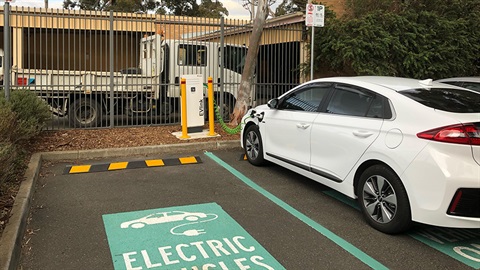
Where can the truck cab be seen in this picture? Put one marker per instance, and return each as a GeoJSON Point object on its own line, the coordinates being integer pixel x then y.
{"type": "Point", "coordinates": [194, 57]}
{"type": "Point", "coordinates": [152, 88]}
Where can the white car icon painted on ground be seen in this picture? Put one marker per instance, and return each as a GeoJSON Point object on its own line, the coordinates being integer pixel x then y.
{"type": "Point", "coordinates": [163, 217]}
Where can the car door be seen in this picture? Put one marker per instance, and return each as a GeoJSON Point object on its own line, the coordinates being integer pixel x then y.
{"type": "Point", "coordinates": [350, 123]}
{"type": "Point", "coordinates": [286, 130]}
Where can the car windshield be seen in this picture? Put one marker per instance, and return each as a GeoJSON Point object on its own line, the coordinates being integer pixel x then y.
{"type": "Point", "coordinates": [446, 99]}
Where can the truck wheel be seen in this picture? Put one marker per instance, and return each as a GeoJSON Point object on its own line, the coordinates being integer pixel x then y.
{"type": "Point", "coordinates": [225, 111]}
{"type": "Point", "coordinates": [84, 113]}
{"type": "Point", "coordinates": [164, 109]}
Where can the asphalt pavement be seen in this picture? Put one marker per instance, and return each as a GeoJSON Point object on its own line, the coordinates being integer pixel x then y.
{"type": "Point", "coordinates": [202, 206]}
{"type": "Point", "coordinates": [11, 240]}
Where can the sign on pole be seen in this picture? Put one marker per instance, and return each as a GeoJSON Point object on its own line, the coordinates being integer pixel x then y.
{"type": "Point", "coordinates": [315, 16]}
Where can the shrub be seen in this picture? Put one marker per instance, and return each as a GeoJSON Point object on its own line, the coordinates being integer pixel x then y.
{"type": "Point", "coordinates": [21, 118]}
{"type": "Point", "coordinates": [422, 39]}
{"type": "Point", "coordinates": [31, 114]}
{"type": "Point", "coordinates": [12, 163]}
{"type": "Point", "coordinates": [7, 122]}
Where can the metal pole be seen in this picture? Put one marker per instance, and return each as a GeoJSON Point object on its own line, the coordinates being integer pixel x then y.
{"type": "Point", "coordinates": [311, 53]}
{"type": "Point", "coordinates": [211, 117]}
{"type": "Point", "coordinates": [222, 66]}
{"type": "Point", "coordinates": [6, 50]}
{"type": "Point", "coordinates": [112, 124]}
{"type": "Point", "coordinates": [311, 47]}
{"type": "Point", "coordinates": [183, 93]}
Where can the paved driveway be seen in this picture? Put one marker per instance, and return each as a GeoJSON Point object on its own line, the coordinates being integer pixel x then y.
{"type": "Point", "coordinates": [218, 212]}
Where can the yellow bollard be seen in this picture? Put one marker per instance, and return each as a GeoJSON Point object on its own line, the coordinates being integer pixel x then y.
{"type": "Point", "coordinates": [183, 93]}
{"type": "Point", "coordinates": [211, 117]}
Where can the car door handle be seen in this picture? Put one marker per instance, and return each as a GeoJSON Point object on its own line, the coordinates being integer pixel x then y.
{"type": "Point", "coordinates": [303, 125]}
{"type": "Point", "coordinates": [362, 133]}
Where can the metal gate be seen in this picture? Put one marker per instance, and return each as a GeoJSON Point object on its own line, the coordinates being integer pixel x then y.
{"type": "Point", "coordinates": [105, 69]}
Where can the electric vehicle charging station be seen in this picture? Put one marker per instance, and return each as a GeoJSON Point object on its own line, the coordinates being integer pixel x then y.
{"type": "Point", "coordinates": [194, 103]}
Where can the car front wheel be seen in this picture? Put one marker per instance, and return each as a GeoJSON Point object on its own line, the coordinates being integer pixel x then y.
{"type": "Point", "coordinates": [252, 143]}
{"type": "Point", "coordinates": [383, 200]}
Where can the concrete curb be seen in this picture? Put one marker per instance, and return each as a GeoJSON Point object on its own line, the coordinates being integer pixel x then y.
{"type": "Point", "coordinates": [11, 240]}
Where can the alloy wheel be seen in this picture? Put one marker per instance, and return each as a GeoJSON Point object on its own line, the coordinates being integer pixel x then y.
{"type": "Point", "coordinates": [380, 199]}
{"type": "Point", "coordinates": [252, 145]}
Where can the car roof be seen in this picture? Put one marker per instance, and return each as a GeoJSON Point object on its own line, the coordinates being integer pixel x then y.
{"type": "Point", "coordinates": [460, 79]}
{"type": "Point", "coordinates": [393, 83]}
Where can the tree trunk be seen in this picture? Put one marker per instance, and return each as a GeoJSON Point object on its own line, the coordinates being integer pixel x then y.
{"type": "Point", "coordinates": [244, 92]}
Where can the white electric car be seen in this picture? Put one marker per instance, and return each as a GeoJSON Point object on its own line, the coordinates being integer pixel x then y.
{"type": "Point", "coordinates": [408, 150]}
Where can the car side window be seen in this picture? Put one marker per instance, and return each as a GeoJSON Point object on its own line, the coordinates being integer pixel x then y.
{"type": "Point", "coordinates": [472, 86]}
{"type": "Point", "coordinates": [355, 101]}
{"type": "Point", "coordinates": [455, 83]}
{"type": "Point", "coordinates": [306, 99]}
{"type": "Point", "coordinates": [377, 108]}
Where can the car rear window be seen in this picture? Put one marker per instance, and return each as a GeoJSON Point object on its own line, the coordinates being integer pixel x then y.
{"type": "Point", "coordinates": [445, 99]}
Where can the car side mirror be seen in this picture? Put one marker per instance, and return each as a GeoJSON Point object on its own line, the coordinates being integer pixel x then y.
{"type": "Point", "coordinates": [273, 103]}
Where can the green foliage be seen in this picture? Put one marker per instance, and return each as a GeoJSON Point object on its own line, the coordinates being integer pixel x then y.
{"type": "Point", "coordinates": [290, 6]}
{"type": "Point", "coordinates": [11, 164]}
{"type": "Point", "coordinates": [8, 122]}
{"type": "Point", "coordinates": [211, 9]}
{"type": "Point", "coordinates": [418, 41]}
{"type": "Point", "coordinates": [31, 114]}
{"type": "Point", "coordinates": [115, 5]}
{"type": "Point", "coordinates": [21, 118]}
{"type": "Point", "coordinates": [359, 8]}
{"type": "Point", "coordinates": [207, 8]}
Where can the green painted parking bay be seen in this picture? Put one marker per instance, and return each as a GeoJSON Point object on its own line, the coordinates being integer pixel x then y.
{"type": "Point", "coordinates": [201, 236]}
{"type": "Point", "coordinates": [460, 244]}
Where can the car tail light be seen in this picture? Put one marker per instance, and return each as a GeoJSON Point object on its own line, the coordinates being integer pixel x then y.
{"type": "Point", "coordinates": [461, 134]}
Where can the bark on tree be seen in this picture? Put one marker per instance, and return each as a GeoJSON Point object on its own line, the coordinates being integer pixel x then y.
{"type": "Point", "coordinates": [241, 106]}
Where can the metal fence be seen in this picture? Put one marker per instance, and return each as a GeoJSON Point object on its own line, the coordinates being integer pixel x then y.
{"type": "Point", "coordinates": [105, 69]}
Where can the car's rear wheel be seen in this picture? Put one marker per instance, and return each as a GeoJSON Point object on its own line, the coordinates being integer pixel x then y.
{"type": "Point", "coordinates": [383, 200]}
{"type": "Point", "coordinates": [252, 142]}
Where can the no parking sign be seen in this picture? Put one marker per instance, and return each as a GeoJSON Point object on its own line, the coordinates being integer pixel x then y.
{"type": "Point", "coordinates": [315, 15]}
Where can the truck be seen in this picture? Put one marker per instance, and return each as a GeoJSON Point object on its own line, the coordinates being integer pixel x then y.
{"type": "Point", "coordinates": [151, 88]}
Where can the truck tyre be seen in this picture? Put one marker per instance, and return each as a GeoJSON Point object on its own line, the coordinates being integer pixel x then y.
{"type": "Point", "coordinates": [164, 109]}
{"type": "Point", "coordinates": [225, 111]}
{"type": "Point", "coordinates": [84, 113]}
